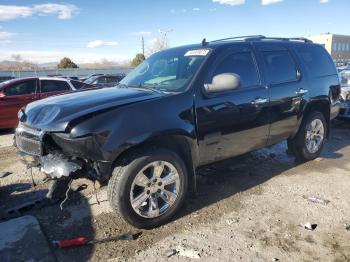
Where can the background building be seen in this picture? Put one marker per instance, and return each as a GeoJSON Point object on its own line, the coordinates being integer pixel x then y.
{"type": "Point", "coordinates": [337, 45]}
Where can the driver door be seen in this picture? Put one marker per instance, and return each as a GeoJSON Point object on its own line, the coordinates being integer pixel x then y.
{"type": "Point", "coordinates": [236, 121]}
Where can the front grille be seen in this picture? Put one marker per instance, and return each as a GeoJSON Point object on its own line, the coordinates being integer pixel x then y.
{"type": "Point", "coordinates": [28, 140]}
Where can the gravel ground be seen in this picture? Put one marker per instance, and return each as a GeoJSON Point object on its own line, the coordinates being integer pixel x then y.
{"type": "Point", "coordinates": [250, 208]}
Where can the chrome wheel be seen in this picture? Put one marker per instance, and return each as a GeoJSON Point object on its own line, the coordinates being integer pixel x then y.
{"type": "Point", "coordinates": [314, 135]}
{"type": "Point", "coordinates": [155, 189]}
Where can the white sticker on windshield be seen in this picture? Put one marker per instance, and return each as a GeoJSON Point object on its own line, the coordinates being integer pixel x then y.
{"type": "Point", "coordinates": [197, 52]}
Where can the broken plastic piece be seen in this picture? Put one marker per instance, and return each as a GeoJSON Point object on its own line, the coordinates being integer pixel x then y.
{"type": "Point", "coordinates": [56, 166]}
{"type": "Point", "coordinates": [315, 199]}
{"type": "Point", "coordinates": [310, 226]}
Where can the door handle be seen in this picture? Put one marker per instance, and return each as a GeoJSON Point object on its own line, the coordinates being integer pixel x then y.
{"type": "Point", "coordinates": [259, 101]}
{"type": "Point", "coordinates": [301, 92]}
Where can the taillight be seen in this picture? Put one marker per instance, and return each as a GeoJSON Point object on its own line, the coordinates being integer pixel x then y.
{"type": "Point", "coordinates": [2, 94]}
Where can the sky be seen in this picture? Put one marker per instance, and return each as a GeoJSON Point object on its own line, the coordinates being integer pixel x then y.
{"type": "Point", "coordinates": [91, 30]}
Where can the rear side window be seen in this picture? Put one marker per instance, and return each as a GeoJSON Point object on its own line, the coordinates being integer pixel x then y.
{"type": "Point", "coordinates": [24, 88]}
{"type": "Point", "coordinates": [316, 59]}
{"type": "Point", "coordinates": [77, 84]}
{"type": "Point", "coordinates": [241, 64]}
{"type": "Point", "coordinates": [280, 66]}
{"type": "Point", "coordinates": [54, 86]}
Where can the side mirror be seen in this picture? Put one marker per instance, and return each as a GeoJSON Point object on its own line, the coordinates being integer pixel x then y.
{"type": "Point", "coordinates": [223, 82]}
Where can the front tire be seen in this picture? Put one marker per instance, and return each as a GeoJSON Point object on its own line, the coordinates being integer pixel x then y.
{"type": "Point", "coordinates": [309, 141]}
{"type": "Point", "coordinates": [150, 188]}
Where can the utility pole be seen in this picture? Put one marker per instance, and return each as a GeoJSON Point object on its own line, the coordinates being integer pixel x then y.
{"type": "Point", "coordinates": [143, 45]}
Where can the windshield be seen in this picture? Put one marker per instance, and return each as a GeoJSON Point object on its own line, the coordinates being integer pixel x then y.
{"type": "Point", "coordinates": [168, 71]}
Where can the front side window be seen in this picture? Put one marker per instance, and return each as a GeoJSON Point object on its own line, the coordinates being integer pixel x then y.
{"type": "Point", "coordinates": [241, 64]}
{"type": "Point", "coordinates": [54, 86]}
{"type": "Point", "coordinates": [24, 88]}
{"type": "Point", "coordinates": [280, 66]}
{"type": "Point", "coordinates": [169, 71]}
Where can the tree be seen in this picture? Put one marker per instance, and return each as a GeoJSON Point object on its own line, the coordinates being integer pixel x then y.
{"type": "Point", "coordinates": [138, 59]}
{"type": "Point", "coordinates": [66, 63]}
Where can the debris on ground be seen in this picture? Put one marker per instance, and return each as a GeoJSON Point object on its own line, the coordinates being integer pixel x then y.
{"type": "Point", "coordinates": [188, 252]}
{"type": "Point", "coordinates": [171, 252]}
{"type": "Point", "coordinates": [275, 259]}
{"type": "Point", "coordinates": [81, 241]}
{"type": "Point", "coordinates": [5, 174]}
{"type": "Point", "coordinates": [347, 227]}
{"type": "Point", "coordinates": [315, 199]}
{"type": "Point", "coordinates": [309, 226]}
{"type": "Point", "coordinates": [232, 221]}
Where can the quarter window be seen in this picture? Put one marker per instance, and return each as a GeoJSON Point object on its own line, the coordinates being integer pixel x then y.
{"type": "Point", "coordinates": [280, 66]}
{"type": "Point", "coordinates": [316, 59]}
{"type": "Point", "coordinates": [54, 86]}
{"type": "Point", "coordinates": [241, 64]}
{"type": "Point", "coordinates": [25, 88]}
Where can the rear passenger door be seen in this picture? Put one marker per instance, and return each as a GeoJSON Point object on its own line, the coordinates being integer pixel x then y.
{"type": "Point", "coordinates": [234, 122]}
{"type": "Point", "coordinates": [53, 87]}
{"type": "Point", "coordinates": [286, 88]}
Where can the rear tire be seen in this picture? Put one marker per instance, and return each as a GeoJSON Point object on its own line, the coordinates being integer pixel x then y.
{"type": "Point", "coordinates": [149, 189]}
{"type": "Point", "coordinates": [309, 141]}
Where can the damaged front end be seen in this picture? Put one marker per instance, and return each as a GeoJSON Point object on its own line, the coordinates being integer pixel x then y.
{"type": "Point", "coordinates": [59, 156]}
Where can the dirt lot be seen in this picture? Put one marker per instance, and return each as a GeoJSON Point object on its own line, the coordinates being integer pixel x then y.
{"type": "Point", "coordinates": [250, 208]}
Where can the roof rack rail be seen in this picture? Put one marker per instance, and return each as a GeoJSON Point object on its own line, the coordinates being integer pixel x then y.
{"type": "Point", "coordinates": [258, 37]}
{"type": "Point", "coordinates": [247, 37]}
{"type": "Point", "coordinates": [303, 39]}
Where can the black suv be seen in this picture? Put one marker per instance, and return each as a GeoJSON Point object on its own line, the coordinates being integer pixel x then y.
{"type": "Point", "coordinates": [180, 109]}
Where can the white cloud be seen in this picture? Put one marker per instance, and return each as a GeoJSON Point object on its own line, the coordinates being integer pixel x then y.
{"type": "Point", "coordinates": [62, 11]}
{"type": "Point", "coordinates": [141, 33]}
{"type": "Point", "coordinates": [324, 1]}
{"type": "Point", "coordinates": [230, 2]}
{"type": "Point", "coordinates": [99, 43]}
{"type": "Point", "coordinates": [196, 9]}
{"type": "Point", "coordinates": [270, 2]}
{"type": "Point", "coordinates": [5, 37]}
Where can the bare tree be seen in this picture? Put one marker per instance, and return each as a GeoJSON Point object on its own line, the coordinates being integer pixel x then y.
{"type": "Point", "coordinates": [159, 43]}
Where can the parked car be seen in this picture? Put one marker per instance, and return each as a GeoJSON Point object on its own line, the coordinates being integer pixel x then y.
{"type": "Point", "coordinates": [90, 76]}
{"type": "Point", "coordinates": [17, 93]}
{"type": "Point", "coordinates": [105, 80]}
{"type": "Point", "coordinates": [183, 108]}
{"type": "Point", "coordinates": [344, 76]}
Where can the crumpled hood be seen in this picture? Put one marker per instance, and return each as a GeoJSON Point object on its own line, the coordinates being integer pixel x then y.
{"type": "Point", "coordinates": [55, 113]}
